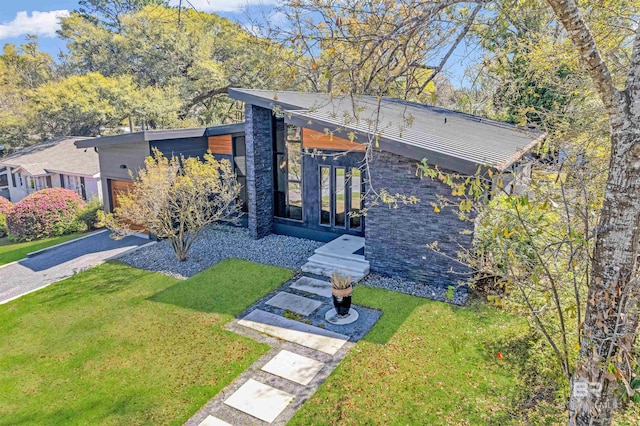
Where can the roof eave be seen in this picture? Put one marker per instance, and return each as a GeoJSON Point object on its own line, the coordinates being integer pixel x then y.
{"type": "Point", "coordinates": [518, 155]}
{"type": "Point", "coordinates": [144, 136]}
{"type": "Point", "coordinates": [257, 100]}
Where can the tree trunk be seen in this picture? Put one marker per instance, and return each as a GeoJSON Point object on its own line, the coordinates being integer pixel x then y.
{"type": "Point", "coordinates": [611, 318]}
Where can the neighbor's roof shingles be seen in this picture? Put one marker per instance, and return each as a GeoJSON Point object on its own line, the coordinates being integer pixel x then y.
{"type": "Point", "coordinates": [57, 155]}
{"type": "Point", "coordinates": [445, 136]}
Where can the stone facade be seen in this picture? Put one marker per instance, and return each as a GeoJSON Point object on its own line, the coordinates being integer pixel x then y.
{"type": "Point", "coordinates": [259, 170]}
{"type": "Point", "coordinates": [396, 238]}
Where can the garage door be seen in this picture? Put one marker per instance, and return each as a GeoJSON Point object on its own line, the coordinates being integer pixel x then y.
{"type": "Point", "coordinates": [119, 187]}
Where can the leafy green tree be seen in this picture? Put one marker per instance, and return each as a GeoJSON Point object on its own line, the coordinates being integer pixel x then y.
{"type": "Point", "coordinates": [81, 105]}
{"type": "Point", "coordinates": [22, 69]}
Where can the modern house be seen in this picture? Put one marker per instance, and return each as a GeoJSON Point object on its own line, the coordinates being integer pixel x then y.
{"type": "Point", "coordinates": [55, 163]}
{"type": "Point", "coordinates": [324, 167]}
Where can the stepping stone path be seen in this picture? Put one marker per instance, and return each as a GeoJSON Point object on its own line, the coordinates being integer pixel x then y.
{"type": "Point", "coordinates": [302, 357]}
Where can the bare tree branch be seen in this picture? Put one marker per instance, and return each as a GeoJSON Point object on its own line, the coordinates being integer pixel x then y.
{"type": "Point", "coordinates": [453, 47]}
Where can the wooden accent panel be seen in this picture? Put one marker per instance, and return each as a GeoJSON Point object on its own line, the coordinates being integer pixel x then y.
{"type": "Point", "coordinates": [220, 144]}
{"type": "Point", "coordinates": [122, 187]}
{"type": "Point", "coordinates": [312, 139]}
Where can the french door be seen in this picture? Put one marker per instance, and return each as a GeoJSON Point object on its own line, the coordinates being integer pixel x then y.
{"type": "Point", "coordinates": [340, 193]}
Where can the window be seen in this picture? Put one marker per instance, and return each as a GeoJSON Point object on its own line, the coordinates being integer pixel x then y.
{"type": "Point", "coordinates": [240, 166]}
{"type": "Point", "coordinates": [20, 179]}
{"type": "Point", "coordinates": [4, 180]}
{"type": "Point", "coordinates": [287, 158]}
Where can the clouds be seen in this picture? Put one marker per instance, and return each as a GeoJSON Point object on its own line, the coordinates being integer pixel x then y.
{"type": "Point", "coordinates": [42, 24]}
{"type": "Point", "coordinates": [222, 5]}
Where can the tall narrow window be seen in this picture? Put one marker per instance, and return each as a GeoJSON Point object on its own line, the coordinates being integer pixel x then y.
{"type": "Point", "coordinates": [287, 157]}
{"type": "Point", "coordinates": [240, 166]}
{"type": "Point", "coordinates": [355, 180]}
{"type": "Point", "coordinates": [340, 196]}
{"type": "Point", "coordinates": [325, 195]}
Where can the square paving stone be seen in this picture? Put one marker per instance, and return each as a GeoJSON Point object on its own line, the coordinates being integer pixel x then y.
{"type": "Point", "coordinates": [294, 331]}
{"type": "Point", "coordinates": [259, 400]}
{"type": "Point", "coordinates": [299, 304]}
{"type": "Point", "coordinates": [312, 285]}
{"type": "Point", "coordinates": [213, 421]}
{"type": "Point", "coordinates": [294, 367]}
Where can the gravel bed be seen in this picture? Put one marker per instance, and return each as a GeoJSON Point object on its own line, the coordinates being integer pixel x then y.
{"type": "Point", "coordinates": [219, 243]}
{"type": "Point", "coordinates": [434, 292]}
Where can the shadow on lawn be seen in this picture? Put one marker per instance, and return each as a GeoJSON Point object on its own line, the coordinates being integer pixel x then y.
{"type": "Point", "coordinates": [226, 288]}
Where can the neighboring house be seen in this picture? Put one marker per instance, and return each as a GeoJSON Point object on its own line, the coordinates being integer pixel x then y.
{"type": "Point", "coordinates": [121, 154]}
{"type": "Point", "coordinates": [301, 159]}
{"type": "Point", "coordinates": [52, 164]}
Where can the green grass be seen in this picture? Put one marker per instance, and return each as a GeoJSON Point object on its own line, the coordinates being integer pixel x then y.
{"type": "Point", "coordinates": [118, 345]}
{"type": "Point", "coordinates": [424, 362]}
{"type": "Point", "coordinates": [10, 252]}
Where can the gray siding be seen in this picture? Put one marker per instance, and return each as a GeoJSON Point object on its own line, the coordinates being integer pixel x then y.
{"type": "Point", "coordinates": [111, 157]}
{"type": "Point", "coordinates": [396, 239]}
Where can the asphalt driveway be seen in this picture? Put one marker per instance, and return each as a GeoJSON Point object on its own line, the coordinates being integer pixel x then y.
{"type": "Point", "coordinates": [33, 273]}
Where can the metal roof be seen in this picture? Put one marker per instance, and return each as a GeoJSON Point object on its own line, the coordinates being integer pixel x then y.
{"type": "Point", "coordinates": [55, 156]}
{"type": "Point", "coordinates": [451, 139]}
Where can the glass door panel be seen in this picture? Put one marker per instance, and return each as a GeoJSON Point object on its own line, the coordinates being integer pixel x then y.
{"type": "Point", "coordinates": [325, 195]}
{"type": "Point", "coordinates": [340, 195]}
{"type": "Point", "coordinates": [355, 215]}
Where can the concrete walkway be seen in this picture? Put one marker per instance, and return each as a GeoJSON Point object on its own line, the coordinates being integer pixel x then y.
{"type": "Point", "coordinates": [57, 263]}
{"type": "Point", "coordinates": [303, 354]}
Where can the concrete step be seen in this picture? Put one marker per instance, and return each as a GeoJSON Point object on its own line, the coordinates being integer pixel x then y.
{"type": "Point", "coordinates": [327, 271]}
{"type": "Point", "coordinates": [355, 266]}
{"type": "Point", "coordinates": [343, 247]}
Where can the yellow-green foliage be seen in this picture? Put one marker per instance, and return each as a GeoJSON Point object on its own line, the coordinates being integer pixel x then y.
{"type": "Point", "coordinates": [175, 198]}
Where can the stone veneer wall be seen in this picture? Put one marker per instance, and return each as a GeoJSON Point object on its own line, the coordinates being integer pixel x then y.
{"type": "Point", "coordinates": [396, 239]}
{"type": "Point", "coordinates": [259, 170]}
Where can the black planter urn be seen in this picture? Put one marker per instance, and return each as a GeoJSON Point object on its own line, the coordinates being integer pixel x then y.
{"type": "Point", "coordinates": [342, 301]}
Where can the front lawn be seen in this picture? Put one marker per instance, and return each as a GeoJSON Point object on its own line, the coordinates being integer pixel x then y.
{"type": "Point", "coordinates": [424, 362]}
{"type": "Point", "coordinates": [118, 345]}
{"type": "Point", "coordinates": [10, 252]}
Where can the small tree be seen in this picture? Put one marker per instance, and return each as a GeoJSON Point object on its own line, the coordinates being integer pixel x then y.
{"type": "Point", "coordinates": [176, 198]}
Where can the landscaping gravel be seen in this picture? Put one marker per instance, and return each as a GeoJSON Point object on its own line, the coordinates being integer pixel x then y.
{"type": "Point", "coordinates": [460, 293]}
{"type": "Point", "coordinates": [223, 242]}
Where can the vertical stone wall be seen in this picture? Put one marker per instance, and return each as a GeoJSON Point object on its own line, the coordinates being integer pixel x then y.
{"type": "Point", "coordinates": [396, 238]}
{"type": "Point", "coordinates": [259, 170]}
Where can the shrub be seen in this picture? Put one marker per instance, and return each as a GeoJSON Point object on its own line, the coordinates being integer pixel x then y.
{"type": "Point", "coordinates": [91, 214]}
{"type": "Point", "coordinates": [46, 213]}
{"type": "Point", "coordinates": [5, 207]}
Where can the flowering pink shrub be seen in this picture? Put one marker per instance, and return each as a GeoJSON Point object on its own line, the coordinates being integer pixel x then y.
{"type": "Point", "coordinates": [5, 207]}
{"type": "Point", "coordinates": [46, 213]}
